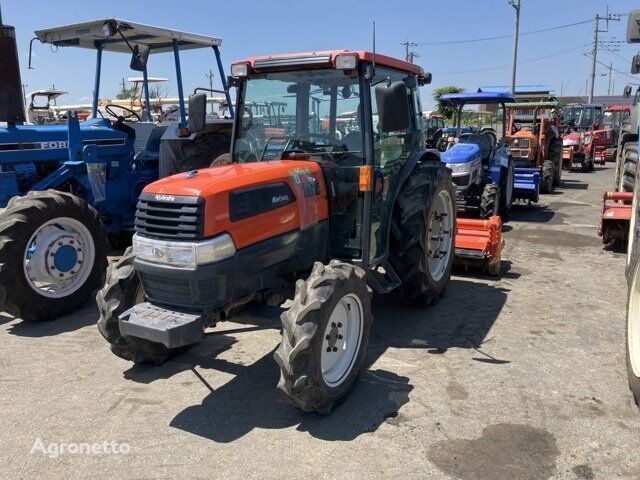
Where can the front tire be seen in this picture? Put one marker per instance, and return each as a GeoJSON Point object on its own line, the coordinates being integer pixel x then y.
{"type": "Point", "coordinates": [546, 182]}
{"type": "Point", "coordinates": [490, 201]}
{"type": "Point", "coordinates": [422, 239]}
{"type": "Point", "coordinates": [325, 336]}
{"type": "Point", "coordinates": [506, 190]}
{"type": "Point", "coordinates": [633, 331]}
{"type": "Point", "coordinates": [555, 154]}
{"type": "Point", "coordinates": [53, 253]}
{"type": "Point", "coordinates": [121, 291]}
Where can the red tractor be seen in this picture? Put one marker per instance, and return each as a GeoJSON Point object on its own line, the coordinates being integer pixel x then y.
{"type": "Point", "coordinates": [584, 141]}
{"type": "Point", "coordinates": [322, 218]}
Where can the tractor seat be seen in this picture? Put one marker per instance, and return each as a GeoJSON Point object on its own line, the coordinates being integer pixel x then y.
{"type": "Point", "coordinates": [484, 142]}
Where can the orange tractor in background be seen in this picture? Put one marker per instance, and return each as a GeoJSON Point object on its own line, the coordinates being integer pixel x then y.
{"type": "Point", "coordinates": [536, 148]}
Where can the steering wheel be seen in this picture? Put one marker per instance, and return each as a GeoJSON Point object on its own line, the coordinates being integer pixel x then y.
{"type": "Point", "coordinates": [130, 112]}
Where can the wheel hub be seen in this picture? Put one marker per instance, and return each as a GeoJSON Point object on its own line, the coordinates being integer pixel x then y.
{"type": "Point", "coordinates": [67, 257]}
{"type": "Point", "coordinates": [439, 235]}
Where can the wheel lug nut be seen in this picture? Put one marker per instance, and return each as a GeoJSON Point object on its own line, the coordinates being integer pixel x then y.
{"type": "Point", "coordinates": [333, 324]}
{"type": "Point", "coordinates": [339, 337]}
{"type": "Point", "coordinates": [335, 349]}
{"type": "Point", "coordinates": [328, 349]}
{"type": "Point", "coordinates": [328, 337]}
{"type": "Point", "coordinates": [339, 325]}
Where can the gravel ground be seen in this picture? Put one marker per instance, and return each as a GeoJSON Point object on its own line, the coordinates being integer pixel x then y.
{"type": "Point", "coordinates": [519, 378]}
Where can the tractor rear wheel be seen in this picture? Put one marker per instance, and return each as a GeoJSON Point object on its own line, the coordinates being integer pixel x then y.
{"type": "Point", "coordinates": [422, 239]}
{"type": "Point", "coordinates": [121, 291]}
{"type": "Point", "coordinates": [52, 255]}
{"type": "Point", "coordinates": [555, 155]}
{"type": "Point", "coordinates": [546, 182]}
{"type": "Point", "coordinates": [325, 336]}
{"type": "Point", "coordinates": [490, 201]}
{"type": "Point", "coordinates": [629, 166]}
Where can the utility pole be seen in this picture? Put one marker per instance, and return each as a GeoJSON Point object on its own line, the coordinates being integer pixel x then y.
{"type": "Point", "coordinates": [594, 51]}
{"type": "Point", "coordinates": [124, 88]}
{"type": "Point", "coordinates": [210, 77]}
{"type": "Point", "coordinates": [412, 55]}
{"type": "Point", "coordinates": [408, 56]}
{"type": "Point", "coordinates": [610, 75]}
{"type": "Point", "coordinates": [24, 91]}
{"type": "Point", "coordinates": [516, 5]}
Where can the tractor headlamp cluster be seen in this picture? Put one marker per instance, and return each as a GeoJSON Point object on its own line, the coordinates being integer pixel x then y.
{"type": "Point", "coordinates": [460, 168]}
{"type": "Point", "coordinates": [240, 69]}
{"type": "Point", "coordinates": [520, 143]}
{"type": "Point", "coordinates": [184, 254]}
{"type": "Point", "coordinates": [346, 61]}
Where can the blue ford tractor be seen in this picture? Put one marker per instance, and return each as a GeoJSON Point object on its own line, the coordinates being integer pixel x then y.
{"type": "Point", "coordinates": [482, 170]}
{"type": "Point", "coordinates": [70, 189]}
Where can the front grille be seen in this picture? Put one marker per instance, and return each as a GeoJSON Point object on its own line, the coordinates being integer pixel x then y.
{"type": "Point", "coordinates": [170, 216]}
{"type": "Point", "coordinates": [179, 291]}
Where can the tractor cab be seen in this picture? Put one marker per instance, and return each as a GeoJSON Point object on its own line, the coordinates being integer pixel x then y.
{"type": "Point", "coordinates": [580, 117]}
{"type": "Point", "coordinates": [584, 139]}
{"type": "Point", "coordinates": [480, 163]}
{"type": "Point", "coordinates": [39, 111]}
{"type": "Point", "coordinates": [331, 111]}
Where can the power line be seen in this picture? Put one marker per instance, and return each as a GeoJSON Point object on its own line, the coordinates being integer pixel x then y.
{"type": "Point", "coordinates": [499, 37]}
{"type": "Point", "coordinates": [555, 54]}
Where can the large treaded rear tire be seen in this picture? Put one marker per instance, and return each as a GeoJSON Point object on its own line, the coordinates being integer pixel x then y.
{"type": "Point", "coordinates": [409, 230]}
{"type": "Point", "coordinates": [18, 223]}
{"type": "Point", "coordinates": [629, 166]}
{"type": "Point", "coordinates": [121, 291]}
{"type": "Point", "coordinates": [555, 155]}
{"type": "Point", "coordinates": [632, 331]}
{"type": "Point", "coordinates": [546, 180]}
{"type": "Point", "coordinates": [490, 201]}
{"type": "Point", "coordinates": [303, 338]}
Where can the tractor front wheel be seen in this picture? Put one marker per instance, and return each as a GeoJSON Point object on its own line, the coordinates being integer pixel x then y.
{"type": "Point", "coordinates": [325, 336]}
{"type": "Point", "coordinates": [422, 239]}
{"type": "Point", "coordinates": [506, 190]}
{"type": "Point", "coordinates": [52, 255]}
{"type": "Point", "coordinates": [490, 201]}
{"type": "Point", "coordinates": [121, 291]}
{"type": "Point", "coordinates": [546, 182]}
{"type": "Point", "coordinates": [555, 154]}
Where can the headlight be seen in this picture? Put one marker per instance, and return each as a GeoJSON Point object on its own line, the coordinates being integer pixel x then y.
{"type": "Point", "coordinates": [240, 69]}
{"type": "Point", "coordinates": [184, 254]}
{"type": "Point", "coordinates": [346, 61]}
{"type": "Point", "coordinates": [460, 168]}
{"type": "Point", "coordinates": [586, 139]}
{"type": "Point", "coordinates": [569, 142]}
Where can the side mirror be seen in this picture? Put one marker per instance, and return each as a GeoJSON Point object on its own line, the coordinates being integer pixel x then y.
{"type": "Point", "coordinates": [233, 81]}
{"type": "Point", "coordinates": [633, 27]}
{"type": "Point", "coordinates": [425, 79]}
{"type": "Point", "coordinates": [139, 58]}
{"type": "Point", "coordinates": [197, 112]}
{"type": "Point", "coordinates": [627, 91]}
{"type": "Point", "coordinates": [635, 64]}
{"type": "Point", "coordinates": [393, 106]}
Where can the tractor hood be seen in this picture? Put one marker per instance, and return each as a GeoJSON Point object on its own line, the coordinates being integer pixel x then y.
{"type": "Point", "coordinates": [250, 201]}
{"type": "Point", "coordinates": [461, 153]}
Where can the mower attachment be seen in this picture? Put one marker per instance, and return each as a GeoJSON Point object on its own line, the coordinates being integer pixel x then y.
{"type": "Point", "coordinates": [615, 218]}
{"type": "Point", "coordinates": [527, 184]}
{"type": "Point", "coordinates": [171, 328]}
{"type": "Point", "coordinates": [479, 242]}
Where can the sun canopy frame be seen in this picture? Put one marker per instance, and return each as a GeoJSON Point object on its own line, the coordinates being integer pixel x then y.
{"type": "Point", "coordinates": [107, 34]}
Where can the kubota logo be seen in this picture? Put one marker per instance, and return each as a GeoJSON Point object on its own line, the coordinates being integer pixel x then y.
{"type": "Point", "coordinates": [165, 198]}
{"type": "Point", "coordinates": [157, 252]}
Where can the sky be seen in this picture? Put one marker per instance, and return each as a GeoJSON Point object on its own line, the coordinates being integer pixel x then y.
{"type": "Point", "coordinates": [250, 27]}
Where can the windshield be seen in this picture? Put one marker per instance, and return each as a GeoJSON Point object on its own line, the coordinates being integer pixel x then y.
{"type": "Point", "coordinates": [580, 116]}
{"type": "Point", "coordinates": [612, 119]}
{"type": "Point", "coordinates": [312, 114]}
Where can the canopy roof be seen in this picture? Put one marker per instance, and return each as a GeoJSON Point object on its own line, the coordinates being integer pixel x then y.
{"type": "Point", "coordinates": [48, 92]}
{"type": "Point", "coordinates": [108, 33]}
{"type": "Point", "coordinates": [477, 98]}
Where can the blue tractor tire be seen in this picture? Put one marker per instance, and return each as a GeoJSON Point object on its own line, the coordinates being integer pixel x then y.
{"type": "Point", "coordinates": [52, 255]}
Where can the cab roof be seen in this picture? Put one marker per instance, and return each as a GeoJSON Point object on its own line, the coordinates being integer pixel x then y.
{"type": "Point", "coordinates": [327, 57]}
{"type": "Point", "coordinates": [108, 33]}
{"type": "Point", "coordinates": [477, 98]}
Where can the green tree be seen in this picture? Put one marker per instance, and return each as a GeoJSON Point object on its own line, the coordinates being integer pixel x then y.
{"type": "Point", "coordinates": [126, 93]}
{"type": "Point", "coordinates": [446, 110]}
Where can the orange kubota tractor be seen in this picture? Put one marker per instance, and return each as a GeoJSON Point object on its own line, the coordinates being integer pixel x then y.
{"type": "Point", "coordinates": [306, 214]}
